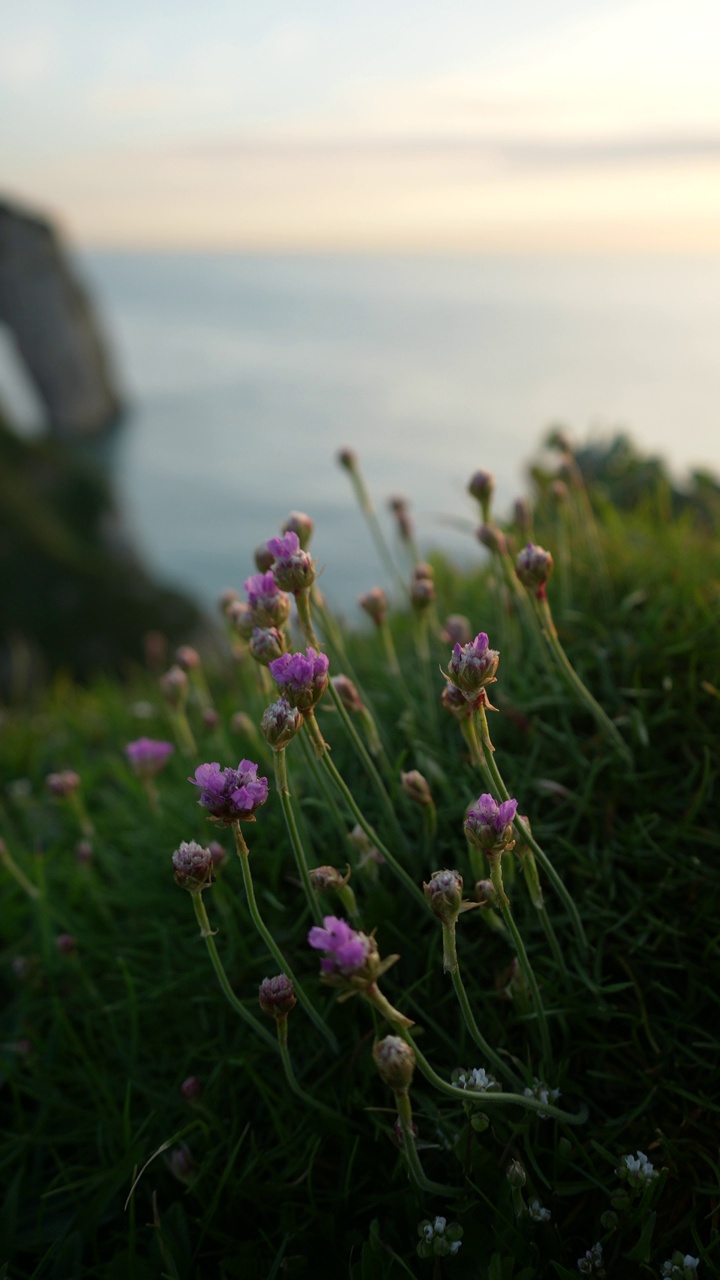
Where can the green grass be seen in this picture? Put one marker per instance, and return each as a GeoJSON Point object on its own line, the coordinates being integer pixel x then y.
{"type": "Point", "coordinates": [96, 1044]}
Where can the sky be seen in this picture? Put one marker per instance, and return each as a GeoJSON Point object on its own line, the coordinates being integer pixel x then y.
{"type": "Point", "coordinates": [401, 125]}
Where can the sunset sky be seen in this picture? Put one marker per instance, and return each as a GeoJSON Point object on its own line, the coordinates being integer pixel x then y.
{"type": "Point", "coordinates": [398, 125]}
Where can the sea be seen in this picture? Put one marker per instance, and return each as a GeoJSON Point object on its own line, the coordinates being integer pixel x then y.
{"type": "Point", "coordinates": [244, 375]}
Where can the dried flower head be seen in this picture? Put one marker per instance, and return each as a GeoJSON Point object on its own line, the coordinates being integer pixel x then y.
{"type": "Point", "coordinates": [230, 795]}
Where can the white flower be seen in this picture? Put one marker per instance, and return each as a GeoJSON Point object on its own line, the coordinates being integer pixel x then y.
{"type": "Point", "coordinates": [477, 1079]}
{"type": "Point", "coordinates": [637, 1170]}
{"type": "Point", "coordinates": [591, 1263]}
{"type": "Point", "coordinates": [537, 1212]}
{"type": "Point", "coordinates": [680, 1267]}
{"type": "Point", "coordinates": [455, 1246]}
{"type": "Point", "coordinates": [439, 1226]}
{"type": "Point", "coordinates": [542, 1092]}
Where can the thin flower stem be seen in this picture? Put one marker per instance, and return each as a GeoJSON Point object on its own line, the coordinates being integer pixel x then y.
{"type": "Point", "coordinates": [282, 1034]}
{"type": "Point", "coordinates": [492, 773]}
{"type": "Point", "coordinates": [323, 784]}
{"type": "Point", "coordinates": [281, 782]}
{"type": "Point", "coordinates": [423, 650]}
{"type": "Point", "coordinates": [207, 933]}
{"type": "Point", "coordinates": [316, 1018]}
{"type": "Point", "coordinates": [373, 523]}
{"type": "Point", "coordinates": [492, 1057]}
{"type": "Point", "coordinates": [481, 1099]}
{"type": "Point", "coordinates": [573, 680]}
{"type": "Point", "coordinates": [495, 861]}
{"type": "Point", "coordinates": [390, 654]}
{"type": "Point", "coordinates": [357, 813]}
{"type": "Point", "coordinates": [415, 1169]}
{"type": "Point", "coordinates": [183, 733]}
{"type": "Point", "coordinates": [11, 865]}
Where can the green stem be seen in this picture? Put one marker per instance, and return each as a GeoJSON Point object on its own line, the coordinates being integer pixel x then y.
{"type": "Point", "coordinates": [574, 682]}
{"type": "Point", "coordinates": [376, 532]}
{"type": "Point", "coordinates": [11, 865]}
{"type": "Point", "coordinates": [281, 782]}
{"type": "Point", "coordinates": [322, 782]}
{"type": "Point", "coordinates": [390, 654]}
{"type": "Point", "coordinates": [347, 795]}
{"type": "Point", "coordinates": [415, 1169]}
{"type": "Point", "coordinates": [183, 732]}
{"type": "Point", "coordinates": [492, 1057]}
{"type": "Point", "coordinates": [207, 933]}
{"type": "Point", "coordinates": [282, 1033]}
{"type": "Point", "coordinates": [495, 861]}
{"type": "Point", "coordinates": [423, 650]}
{"type": "Point", "coordinates": [316, 1018]}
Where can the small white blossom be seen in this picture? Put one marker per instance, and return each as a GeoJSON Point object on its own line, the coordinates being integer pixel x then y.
{"type": "Point", "coordinates": [439, 1226]}
{"type": "Point", "coordinates": [455, 1246]}
{"type": "Point", "coordinates": [637, 1170]}
{"type": "Point", "coordinates": [542, 1092]}
{"type": "Point", "coordinates": [680, 1267]}
{"type": "Point", "coordinates": [537, 1212]}
{"type": "Point", "coordinates": [477, 1079]}
{"type": "Point", "coordinates": [591, 1264]}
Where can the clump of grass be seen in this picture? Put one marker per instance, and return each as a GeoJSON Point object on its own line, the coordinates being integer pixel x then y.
{"type": "Point", "coordinates": [154, 1127]}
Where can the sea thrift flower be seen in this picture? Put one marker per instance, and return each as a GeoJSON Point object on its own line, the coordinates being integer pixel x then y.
{"type": "Point", "coordinates": [190, 1089]}
{"type": "Point", "coordinates": [242, 723]}
{"type": "Point", "coordinates": [533, 567]}
{"type": "Point", "coordinates": [591, 1263]}
{"type": "Point", "coordinates": [473, 666]}
{"type": "Point", "coordinates": [366, 849]}
{"type": "Point", "coordinates": [488, 825]}
{"type": "Point", "coordinates": [292, 567]}
{"type": "Point", "coordinates": [443, 895]}
{"type": "Point", "coordinates": [174, 685]}
{"type": "Point", "coordinates": [63, 784]}
{"type": "Point", "coordinates": [242, 618]}
{"type": "Point", "coordinates": [395, 1061]}
{"type": "Point", "coordinates": [423, 571]}
{"type": "Point", "coordinates": [227, 597]}
{"type": "Point", "coordinates": [348, 694]}
{"type": "Point", "coordinates": [348, 459]}
{"type": "Point", "coordinates": [301, 678]}
{"type": "Point", "coordinates": [266, 644]}
{"type": "Point", "coordinates": [485, 893]}
{"type": "Point", "coordinates": [181, 1163]}
{"type": "Point", "coordinates": [482, 486]}
{"type": "Point", "coordinates": [399, 507]}
{"type": "Point", "coordinates": [218, 853]}
{"type": "Point", "coordinates": [454, 701]}
{"type": "Point", "coordinates": [277, 996]}
{"type": "Point", "coordinates": [457, 629]}
{"type": "Point", "coordinates": [636, 1170]}
{"type": "Point", "coordinates": [680, 1267]}
{"type": "Point", "coordinates": [147, 756]}
{"type": "Point", "coordinates": [187, 658]}
{"type": "Point", "coordinates": [492, 538]}
{"type": "Point", "coordinates": [375, 604]}
{"type": "Point", "coordinates": [193, 866]}
{"type": "Point", "coordinates": [416, 788]}
{"type": "Point", "coordinates": [522, 513]}
{"type": "Point", "coordinates": [297, 522]}
{"type": "Point", "coordinates": [422, 594]}
{"type": "Point", "coordinates": [347, 951]}
{"type": "Point", "coordinates": [439, 1238]}
{"type": "Point", "coordinates": [230, 795]}
{"type": "Point", "coordinates": [280, 723]}
{"type": "Point", "coordinates": [270, 605]}
{"type": "Point", "coordinates": [559, 491]}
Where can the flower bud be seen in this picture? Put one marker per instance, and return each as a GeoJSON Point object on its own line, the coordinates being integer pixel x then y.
{"type": "Point", "coordinates": [515, 1174]}
{"type": "Point", "coordinates": [193, 866]}
{"type": "Point", "coordinates": [62, 784]}
{"type": "Point", "coordinates": [395, 1061]}
{"type": "Point", "coordinates": [489, 826]}
{"type": "Point", "coordinates": [181, 1163]}
{"type": "Point", "coordinates": [534, 566]}
{"type": "Point", "coordinates": [348, 459]}
{"type": "Point", "coordinates": [267, 644]}
{"type": "Point", "coordinates": [297, 522]}
{"type": "Point", "coordinates": [485, 893]}
{"type": "Point", "coordinates": [457, 629]}
{"type": "Point", "coordinates": [190, 1089]}
{"type": "Point", "coordinates": [280, 722]}
{"type": "Point", "coordinates": [454, 701]}
{"type": "Point", "coordinates": [219, 854]}
{"type": "Point", "coordinates": [327, 879]}
{"type": "Point", "coordinates": [492, 538]}
{"type": "Point", "coordinates": [375, 604]}
{"type": "Point", "coordinates": [481, 486]}
{"type": "Point", "coordinates": [443, 895]}
{"type": "Point", "coordinates": [522, 513]}
{"type": "Point", "coordinates": [174, 685]}
{"type": "Point", "coordinates": [227, 597]}
{"type": "Point", "coordinates": [66, 944]}
{"type": "Point", "coordinates": [242, 618]}
{"type": "Point", "coordinates": [473, 666]}
{"type": "Point", "coordinates": [422, 594]}
{"type": "Point", "coordinates": [293, 569]}
{"type": "Point", "coordinates": [263, 557]}
{"type": "Point", "coordinates": [187, 657]}
{"type": "Point", "coordinates": [83, 852]}
{"type": "Point", "coordinates": [399, 507]}
{"type": "Point", "coordinates": [423, 570]}
{"type": "Point", "coordinates": [559, 491]}
{"type": "Point", "coordinates": [210, 718]}
{"type": "Point", "coordinates": [242, 723]}
{"type": "Point", "coordinates": [416, 788]}
{"type": "Point", "coordinates": [277, 996]}
{"type": "Point", "coordinates": [348, 694]}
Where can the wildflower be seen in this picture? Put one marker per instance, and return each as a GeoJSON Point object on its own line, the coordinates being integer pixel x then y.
{"type": "Point", "coordinates": [416, 788]}
{"type": "Point", "coordinates": [62, 784]}
{"type": "Point", "coordinates": [326, 879]}
{"type": "Point", "coordinates": [277, 996]}
{"type": "Point", "coordinates": [482, 486]}
{"type": "Point", "coordinates": [534, 566]}
{"type": "Point", "coordinates": [637, 1170]}
{"type": "Point", "coordinates": [457, 629]}
{"type": "Point", "coordinates": [395, 1061]}
{"type": "Point", "coordinates": [181, 1163]}
{"type": "Point", "coordinates": [591, 1263]}
{"type": "Point", "coordinates": [230, 794]}
{"type": "Point", "coordinates": [280, 722]}
{"type": "Point", "coordinates": [297, 522]}
{"type": "Point", "coordinates": [439, 1238]}
{"type": "Point", "coordinates": [242, 618]}
{"type": "Point", "coordinates": [348, 694]}
{"type": "Point", "coordinates": [473, 666]}
{"type": "Point", "coordinates": [477, 1080]}
{"type": "Point", "coordinates": [443, 895]}
{"type": "Point", "coordinates": [399, 507]}
{"type": "Point", "coordinates": [492, 538]}
{"type": "Point", "coordinates": [263, 558]}
{"type": "Point", "coordinates": [219, 854]}
{"type": "Point", "coordinates": [187, 658]}
{"type": "Point", "coordinates": [193, 866]}
{"type": "Point", "coordinates": [346, 950]}
{"type": "Point", "coordinates": [485, 893]}
{"type": "Point", "coordinates": [270, 605]}
{"type": "Point", "coordinates": [266, 644]}
{"type": "Point", "coordinates": [174, 685]}
{"type": "Point", "coordinates": [301, 678]}
{"type": "Point", "coordinates": [348, 459]}
{"type": "Point", "coordinates": [292, 567]}
{"type": "Point", "coordinates": [422, 594]}
{"type": "Point", "coordinates": [227, 597]}
{"type": "Point", "coordinates": [454, 701]}
{"type": "Point", "coordinates": [210, 718]}
{"type": "Point", "coordinates": [375, 604]}
{"type": "Point", "coordinates": [537, 1212]}
{"type": "Point", "coordinates": [680, 1267]}
{"type": "Point", "coordinates": [190, 1089]}
{"type": "Point", "coordinates": [66, 944]}
{"type": "Point", "coordinates": [543, 1093]}
{"type": "Point", "coordinates": [147, 756]}
{"type": "Point", "coordinates": [423, 572]}
{"type": "Point", "coordinates": [522, 512]}
{"type": "Point", "coordinates": [488, 825]}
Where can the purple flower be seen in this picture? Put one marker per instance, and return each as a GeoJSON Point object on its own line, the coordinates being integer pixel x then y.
{"type": "Point", "coordinates": [302, 525]}
{"type": "Point", "coordinates": [472, 666]}
{"type": "Point", "coordinates": [63, 784]}
{"type": "Point", "coordinates": [347, 951]}
{"type": "Point", "coordinates": [231, 795]}
{"type": "Point", "coordinates": [533, 567]}
{"type": "Point", "coordinates": [293, 568]}
{"type": "Point", "coordinates": [277, 996]}
{"type": "Point", "coordinates": [147, 756]}
{"type": "Point", "coordinates": [270, 605]}
{"type": "Point", "coordinates": [302, 678]}
{"type": "Point", "coordinates": [489, 825]}
{"type": "Point", "coordinates": [193, 866]}
{"type": "Point", "coordinates": [280, 723]}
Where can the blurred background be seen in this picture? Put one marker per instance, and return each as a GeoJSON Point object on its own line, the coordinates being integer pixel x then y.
{"type": "Point", "coordinates": [426, 232]}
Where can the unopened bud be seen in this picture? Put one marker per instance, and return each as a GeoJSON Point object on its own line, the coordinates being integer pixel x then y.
{"type": "Point", "coordinates": [399, 507]}
{"type": "Point", "coordinates": [522, 512]}
{"type": "Point", "coordinates": [327, 879]}
{"type": "Point", "coordinates": [416, 788]}
{"type": "Point", "coordinates": [395, 1061]}
{"type": "Point", "coordinates": [348, 459]}
{"type": "Point", "coordinates": [267, 644]}
{"type": "Point", "coordinates": [66, 944]}
{"type": "Point", "coordinates": [457, 629]}
{"type": "Point", "coordinates": [193, 866]}
{"type": "Point", "coordinates": [559, 491]}
{"type": "Point", "coordinates": [297, 522]}
{"type": "Point", "coordinates": [481, 486]}
{"type": "Point", "coordinates": [422, 594]}
{"type": "Point", "coordinates": [423, 570]}
{"type": "Point", "coordinates": [348, 694]}
{"type": "Point", "coordinates": [264, 558]}
{"type": "Point", "coordinates": [454, 701]}
{"type": "Point", "coordinates": [443, 894]}
{"type": "Point", "coordinates": [515, 1174]}
{"type": "Point", "coordinates": [242, 618]}
{"type": "Point", "coordinates": [187, 657]}
{"type": "Point", "coordinates": [190, 1089]}
{"type": "Point", "coordinates": [227, 597]}
{"type": "Point", "coordinates": [62, 784]}
{"type": "Point", "coordinates": [485, 893]}
{"type": "Point", "coordinates": [174, 686]}
{"type": "Point", "coordinates": [534, 566]}
{"type": "Point", "coordinates": [492, 538]}
{"type": "Point", "coordinates": [375, 604]}
{"type": "Point", "coordinates": [280, 723]}
{"type": "Point", "coordinates": [277, 996]}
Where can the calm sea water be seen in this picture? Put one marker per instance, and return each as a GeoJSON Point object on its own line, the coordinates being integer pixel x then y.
{"type": "Point", "coordinates": [246, 374]}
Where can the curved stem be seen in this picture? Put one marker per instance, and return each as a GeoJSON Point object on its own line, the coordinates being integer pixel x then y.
{"type": "Point", "coordinates": [415, 1169]}
{"type": "Point", "coordinates": [270, 943]}
{"type": "Point", "coordinates": [500, 1066]}
{"type": "Point", "coordinates": [495, 861]}
{"type": "Point", "coordinates": [281, 782]}
{"type": "Point", "coordinates": [347, 795]}
{"type": "Point", "coordinates": [282, 1033]}
{"type": "Point", "coordinates": [207, 933]}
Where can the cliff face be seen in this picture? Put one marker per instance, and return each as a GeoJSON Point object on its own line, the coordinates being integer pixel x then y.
{"type": "Point", "coordinates": [54, 327]}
